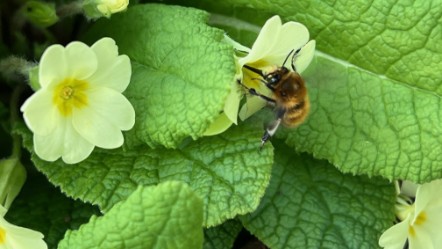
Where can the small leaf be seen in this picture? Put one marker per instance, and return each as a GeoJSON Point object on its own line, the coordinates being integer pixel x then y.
{"type": "Point", "coordinates": [227, 171]}
{"type": "Point", "coordinates": [309, 204]}
{"type": "Point", "coordinates": [182, 70]}
{"type": "Point", "coordinates": [222, 236]}
{"type": "Point", "coordinates": [169, 215]}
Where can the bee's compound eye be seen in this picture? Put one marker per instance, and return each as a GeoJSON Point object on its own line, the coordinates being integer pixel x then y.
{"type": "Point", "coordinates": [274, 78]}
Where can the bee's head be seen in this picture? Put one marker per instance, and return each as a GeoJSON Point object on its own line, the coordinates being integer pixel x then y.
{"type": "Point", "coordinates": [273, 78]}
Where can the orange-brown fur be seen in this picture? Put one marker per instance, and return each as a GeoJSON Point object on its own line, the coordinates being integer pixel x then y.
{"type": "Point", "coordinates": [291, 94]}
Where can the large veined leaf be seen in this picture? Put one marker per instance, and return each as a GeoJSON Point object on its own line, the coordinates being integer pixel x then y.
{"type": "Point", "coordinates": [222, 236]}
{"type": "Point", "coordinates": [368, 124]}
{"type": "Point", "coordinates": [310, 204]}
{"type": "Point", "coordinates": [227, 172]}
{"type": "Point", "coordinates": [182, 70]}
{"type": "Point", "coordinates": [169, 215]}
{"type": "Point", "coordinates": [375, 85]}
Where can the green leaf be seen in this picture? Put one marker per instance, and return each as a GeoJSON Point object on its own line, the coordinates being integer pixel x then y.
{"type": "Point", "coordinates": [398, 40]}
{"type": "Point", "coordinates": [368, 124]}
{"type": "Point", "coordinates": [222, 236]}
{"type": "Point", "coordinates": [169, 215]}
{"type": "Point", "coordinates": [309, 204]}
{"type": "Point", "coordinates": [227, 171]}
{"type": "Point", "coordinates": [375, 87]}
{"type": "Point", "coordinates": [42, 207]}
{"type": "Point", "coordinates": [182, 70]}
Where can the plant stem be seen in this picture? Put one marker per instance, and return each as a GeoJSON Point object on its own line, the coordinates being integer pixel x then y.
{"type": "Point", "coordinates": [14, 118]}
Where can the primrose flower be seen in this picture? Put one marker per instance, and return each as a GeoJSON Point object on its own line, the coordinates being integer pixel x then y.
{"type": "Point", "coordinates": [99, 8]}
{"type": "Point", "coordinates": [15, 237]}
{"type": "Point", "coordinates": [79, 105]}
{"type": "Point", "coordinates": [420, 221]}
{"type": "Point", "coordinates": [274, 43]}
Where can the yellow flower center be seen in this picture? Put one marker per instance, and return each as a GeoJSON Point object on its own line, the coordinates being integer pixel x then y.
{"type": "Point", "coordinates": [2, 236]}
{"type": "Point", "coordinates": [70, 94]}
{"type": "Point", "coordinates": [420, 219]}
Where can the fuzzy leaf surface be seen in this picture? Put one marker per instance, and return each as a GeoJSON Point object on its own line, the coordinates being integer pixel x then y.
{"type": "Point", "coordinates": [222, 236]}
{"type": "Point", "coordinates": [169, 215]}
{"type": "Point", "coordinates": [309, 204]}
{"type": "Point", "coordinates": [227, 172]}
{"type": "Point", "coordinates": [181, 70]}
{"type": "Point", "coordinates": [375, 86]}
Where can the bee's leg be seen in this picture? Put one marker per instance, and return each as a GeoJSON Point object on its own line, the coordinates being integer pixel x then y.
{"type": "Point", "coordinates": [270, 131]}
{"type": "Point", "coordinates": [252, 91]}
{"type": "Point", "coordinates": [272, 128]}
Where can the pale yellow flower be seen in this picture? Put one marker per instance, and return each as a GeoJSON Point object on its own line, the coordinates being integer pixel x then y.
{"type": "Point", "coordinates": [79, 105]}
{"type": "Point", "coordinates": [15, 237]}
{"type": "Point", "coordinates": [272, 46]}
{"type": "Point", "coordinates": [108, 7]}
{"type": "Point", "coordinates": [420, 221]}
{"type": "Point", "coordinates": [98, 8]}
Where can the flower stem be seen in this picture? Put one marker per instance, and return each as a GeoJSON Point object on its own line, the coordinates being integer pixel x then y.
{"type": "Point", "coordinates": [70, 9]}
{"type": "Point", "coordinates": [14, 118]}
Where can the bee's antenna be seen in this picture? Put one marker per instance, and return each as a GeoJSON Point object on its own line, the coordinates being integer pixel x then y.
{"type": "Point", "coordinates": [255, 70]}
{"type": "Point", "coordinates": [293, 58]}
{"type": "Point", "coordinates": [287, 57]}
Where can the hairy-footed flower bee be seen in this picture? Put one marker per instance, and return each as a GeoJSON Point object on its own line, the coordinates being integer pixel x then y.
{"type": "Point", "coordinates": [289, 95]}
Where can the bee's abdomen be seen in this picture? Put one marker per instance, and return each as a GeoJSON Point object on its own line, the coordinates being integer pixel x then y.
{"type": "Point", "coordinates": [296, 113]}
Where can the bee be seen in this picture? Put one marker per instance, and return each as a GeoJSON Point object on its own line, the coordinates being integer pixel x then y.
{"type": "Point", "coordinates": [289, 96]}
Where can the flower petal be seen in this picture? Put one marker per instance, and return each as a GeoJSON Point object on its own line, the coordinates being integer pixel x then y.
{"type": "Point", "coordinates": [396, 236]}
{"type": "Point", "coordinates": [50, 147]}
{"type": "Point", "coordinates": [266, 39]}
{"type": "Point", "coordinates": [81, 59]}
{"type": "Point", "coordinates": [108, 114]}
{"type": "Point", "coordinates": [63, 142]}
{"type": "Point", "coordinates": [39, 112]}
{"type": "Point", "coordinates": [431, 226]}
{"type": "Point", "coordinates": [113, 71]}
{"type": "Point", "coordinates": [428, 194]}
{"type": "Point", "coordinates": [293, 35]}
{"type": "Point", "coordinates": [75, 147]}
{"type": "Point", "coordinates": [236, 45]}
{"type": "Point", "coordinates": [219, 125]}
{"type": "Point", "coordinates": [20, 237]}
{"type": "Point", "coordinates": [305, 56]}
{"type": "Point", "coordinates": [53, 66]}
{"type": "Point", "coordinates": [113, 106]}
{"type": "Point", "coordinates": [421, 240]}
{"type": "Point", "coordinates": [252, 105]}
{"type": "Point", "coordinates": [231, 105]}
{"type": "Point", "coordinates": [115, 76]}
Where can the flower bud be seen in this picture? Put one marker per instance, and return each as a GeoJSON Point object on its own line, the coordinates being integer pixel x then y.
{"type": "Point", "coordinates": [40, 13]}
{"type": "Point", "coordinates": [12, 178]}
{"type": "Point", "coordinates": [98, 8]}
